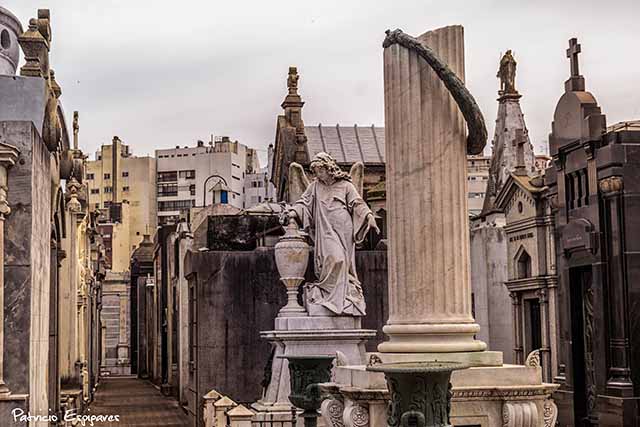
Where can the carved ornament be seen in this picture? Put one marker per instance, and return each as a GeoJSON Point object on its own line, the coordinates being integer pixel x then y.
{"type": "Point", "coordinates": [611, 186]}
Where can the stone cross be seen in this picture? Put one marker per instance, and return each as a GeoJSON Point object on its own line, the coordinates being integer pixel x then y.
{"type": "Point", "coordinates": [521, 168]}
{"type": "Point", "coordinates": [572, 54]}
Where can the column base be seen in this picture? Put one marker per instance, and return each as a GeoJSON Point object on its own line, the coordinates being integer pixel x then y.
{"type": "Point", "coordinates": [431, 338]}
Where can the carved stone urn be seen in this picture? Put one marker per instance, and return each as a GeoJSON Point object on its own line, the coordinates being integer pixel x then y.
{"type": "Point", "coordinates": [292, 256]}
{"type": "Point", "coordinates": [305, 374]}
{"type": "Point", "coordinates": [420, 392]}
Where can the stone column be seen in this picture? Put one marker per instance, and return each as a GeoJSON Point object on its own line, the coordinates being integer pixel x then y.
{"type": "Point", "coordinates": [619, 369]}
{"type": "Point", "coordinates": [545, 351]}
{"type": "Point", "coordinates": [517, 325]}
{"type": "Point", "coordinates": [429, 288]}
{"type": "Point", "coordinates": [8, 157]}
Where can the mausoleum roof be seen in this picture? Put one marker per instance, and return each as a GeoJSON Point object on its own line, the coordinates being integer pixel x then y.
{"type": "Point", "coordinates": [625, 126]}
{"type": "Point", "coordinates": [347, 144]}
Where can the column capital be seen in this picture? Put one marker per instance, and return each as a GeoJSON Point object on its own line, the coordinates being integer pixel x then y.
{"type": "Point", "coordinates": [542, 295]}
{"type": "Point", "coordinates": [611, 186]}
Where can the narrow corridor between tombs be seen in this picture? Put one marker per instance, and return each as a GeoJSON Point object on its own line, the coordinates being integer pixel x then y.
{"type": "Point", "coordinates": [137, 403]}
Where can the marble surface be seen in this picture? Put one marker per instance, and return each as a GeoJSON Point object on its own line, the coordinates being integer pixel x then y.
{"type": "Point", "coordinates": [429, 289]}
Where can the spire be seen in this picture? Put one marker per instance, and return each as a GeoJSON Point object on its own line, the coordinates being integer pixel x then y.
{"type": "Point", "coordinates": [292, 105]}
{"type": "Point", "coordinates": [512, 152]}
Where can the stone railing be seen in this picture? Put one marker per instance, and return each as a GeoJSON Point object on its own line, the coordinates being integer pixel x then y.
{"type": "Point", "coordinates": [220, 411]}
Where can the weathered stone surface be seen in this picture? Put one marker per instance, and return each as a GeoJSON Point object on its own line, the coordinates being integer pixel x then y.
{"type": "Point", "coordinates": [429, 290]}
{"type": "Point", "coordinates": [238, 295]}
{"type": "Point", "coordinates": [23, 99]}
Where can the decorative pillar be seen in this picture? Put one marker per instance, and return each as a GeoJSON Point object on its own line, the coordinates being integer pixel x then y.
{"type": "Point", "coordinates": [8, 157]}
{"type": "Point", "coordinates": [619, 375]}
{"type": "Point", "coordinates": [545, 354]}
{"type": "Point", "coordinates": [517, 326]}
{"type": "Point", "coordinates": [426, 178]}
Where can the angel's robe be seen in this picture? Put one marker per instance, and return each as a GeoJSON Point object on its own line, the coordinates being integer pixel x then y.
{"type": "Point", "coordinates": [336, 218]}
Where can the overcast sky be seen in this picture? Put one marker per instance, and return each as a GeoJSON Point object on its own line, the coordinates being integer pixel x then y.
{"type": "Point", "coordinates": [164, 73]}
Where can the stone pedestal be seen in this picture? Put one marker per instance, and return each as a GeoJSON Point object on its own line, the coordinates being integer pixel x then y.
{"type": "Point", "coordinates": [507, 395]}
{"type": "Point", "coordinates": [308, 335]}
{"type": "Point", "coordinates": [429, 290]}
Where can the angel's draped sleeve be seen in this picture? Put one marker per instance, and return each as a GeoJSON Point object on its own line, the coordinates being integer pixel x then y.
{"type": "Point", "coordinates": [304, 207]}
{"type": "Point", "coordinates": [359, 212]}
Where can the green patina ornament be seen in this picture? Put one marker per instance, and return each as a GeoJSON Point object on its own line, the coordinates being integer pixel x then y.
{"type": "Point", "coordinates": [420, 392]}
{"type": "Point", "coordinates": [305, 373]}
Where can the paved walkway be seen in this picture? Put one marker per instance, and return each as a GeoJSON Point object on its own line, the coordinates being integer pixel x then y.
{"type": "Point", "coordinates": [137, 402]}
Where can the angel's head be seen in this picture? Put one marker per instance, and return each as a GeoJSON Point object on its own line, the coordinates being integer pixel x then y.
{"type": "Point", "coordinates": [325, 168]}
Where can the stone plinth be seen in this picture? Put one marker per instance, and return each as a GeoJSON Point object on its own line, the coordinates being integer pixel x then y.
{"type": "Point", "coordinates": [429, 290]}
{"type": "Point", "coordinates": [309, 335]}
{"type": "Point", "coordinates": [497, 396]}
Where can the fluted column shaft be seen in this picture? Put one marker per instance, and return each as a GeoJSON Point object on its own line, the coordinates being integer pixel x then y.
{"type": "Point", "coordinates": [429, 289]}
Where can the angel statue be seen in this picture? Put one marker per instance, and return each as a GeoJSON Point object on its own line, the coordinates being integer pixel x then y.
{"type": "Point", "coordinates": [330, 208]}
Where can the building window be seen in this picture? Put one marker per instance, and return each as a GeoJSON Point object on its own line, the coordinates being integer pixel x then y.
{"type": "Point", "coordinates": [125, 188]}
{"type": "Point", "coordinates": [90, 176]}
{"type": "Point", "coordinates": [95, 191]}
{"type": "Point", "coordinates": [107, 176]}
{"type": "Point", "coordinates": [192, 189]}
{"type": "Point", "coordinates": [188, 174]}
{"type": "Point", "coordinates": [524, 265]}
{"type": "Point", "coordinates": [167, 190]}
{"type": "Point", "coordinates": [125, 174]}
{"type": "Point", "coordinates": [108, 189]}
{"type": "Point", "coordinates": [224, 197]}
{"type": "Point", "coordinates": [171, 176]}
{"type": "Point", "coordinates": [175, 205]}
{"type": "Point", "coordinates": [97, 206]}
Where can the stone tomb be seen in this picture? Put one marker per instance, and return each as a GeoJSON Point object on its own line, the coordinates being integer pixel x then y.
{"type": "Point", "coordinates": [593, 191]}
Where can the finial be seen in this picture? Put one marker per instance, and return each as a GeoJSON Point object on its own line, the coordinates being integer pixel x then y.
{"type": "Point", "coordinates": [292, 81]}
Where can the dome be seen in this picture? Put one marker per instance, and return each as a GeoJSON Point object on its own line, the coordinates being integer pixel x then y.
{"type": "Point", "coordinates": [10, 29]}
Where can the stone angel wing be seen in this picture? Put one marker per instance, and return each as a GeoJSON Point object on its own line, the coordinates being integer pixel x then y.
{"type": "Point", "coordinates": [357, 177]}
{"type": "Point", "coordinates": [298, 182]}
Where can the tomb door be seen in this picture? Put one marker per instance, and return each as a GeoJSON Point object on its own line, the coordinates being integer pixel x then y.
{"type": "Point", "coordinates": [533, 325]}
{"type": "Point", "coordinates": [582, 335]}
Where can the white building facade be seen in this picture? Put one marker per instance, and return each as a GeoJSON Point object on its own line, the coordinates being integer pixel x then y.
{"type": "Point", "coordinates": [199, 176]}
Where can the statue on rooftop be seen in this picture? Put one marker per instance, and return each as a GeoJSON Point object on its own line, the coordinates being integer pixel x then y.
{"type": "Point", "coordinates": [332, 211]}
{"type": "Point", "coordinates": [292, 81]}
{"type": "Point", "coordinates": [507, 74]}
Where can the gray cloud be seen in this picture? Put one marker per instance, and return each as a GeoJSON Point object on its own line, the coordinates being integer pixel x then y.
{"type": "Point", "coordinates": [160, 73]}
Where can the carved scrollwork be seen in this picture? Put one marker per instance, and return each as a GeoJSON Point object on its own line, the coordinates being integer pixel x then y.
{"type": "Point", "coordinates": [355, 415]}
{"type": "Point", "coordinates": [519, 414]}
{"type": "Point", "coordinates": [374, 359]}
{"type": "Point", "coordinates": [533, 359]}
{"type": "Point", "coordinates": [360, 416]}
{"type": "Point", "coordinates": [332, 411]}
{"type": "Point", "coordinates": [550, 413]}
